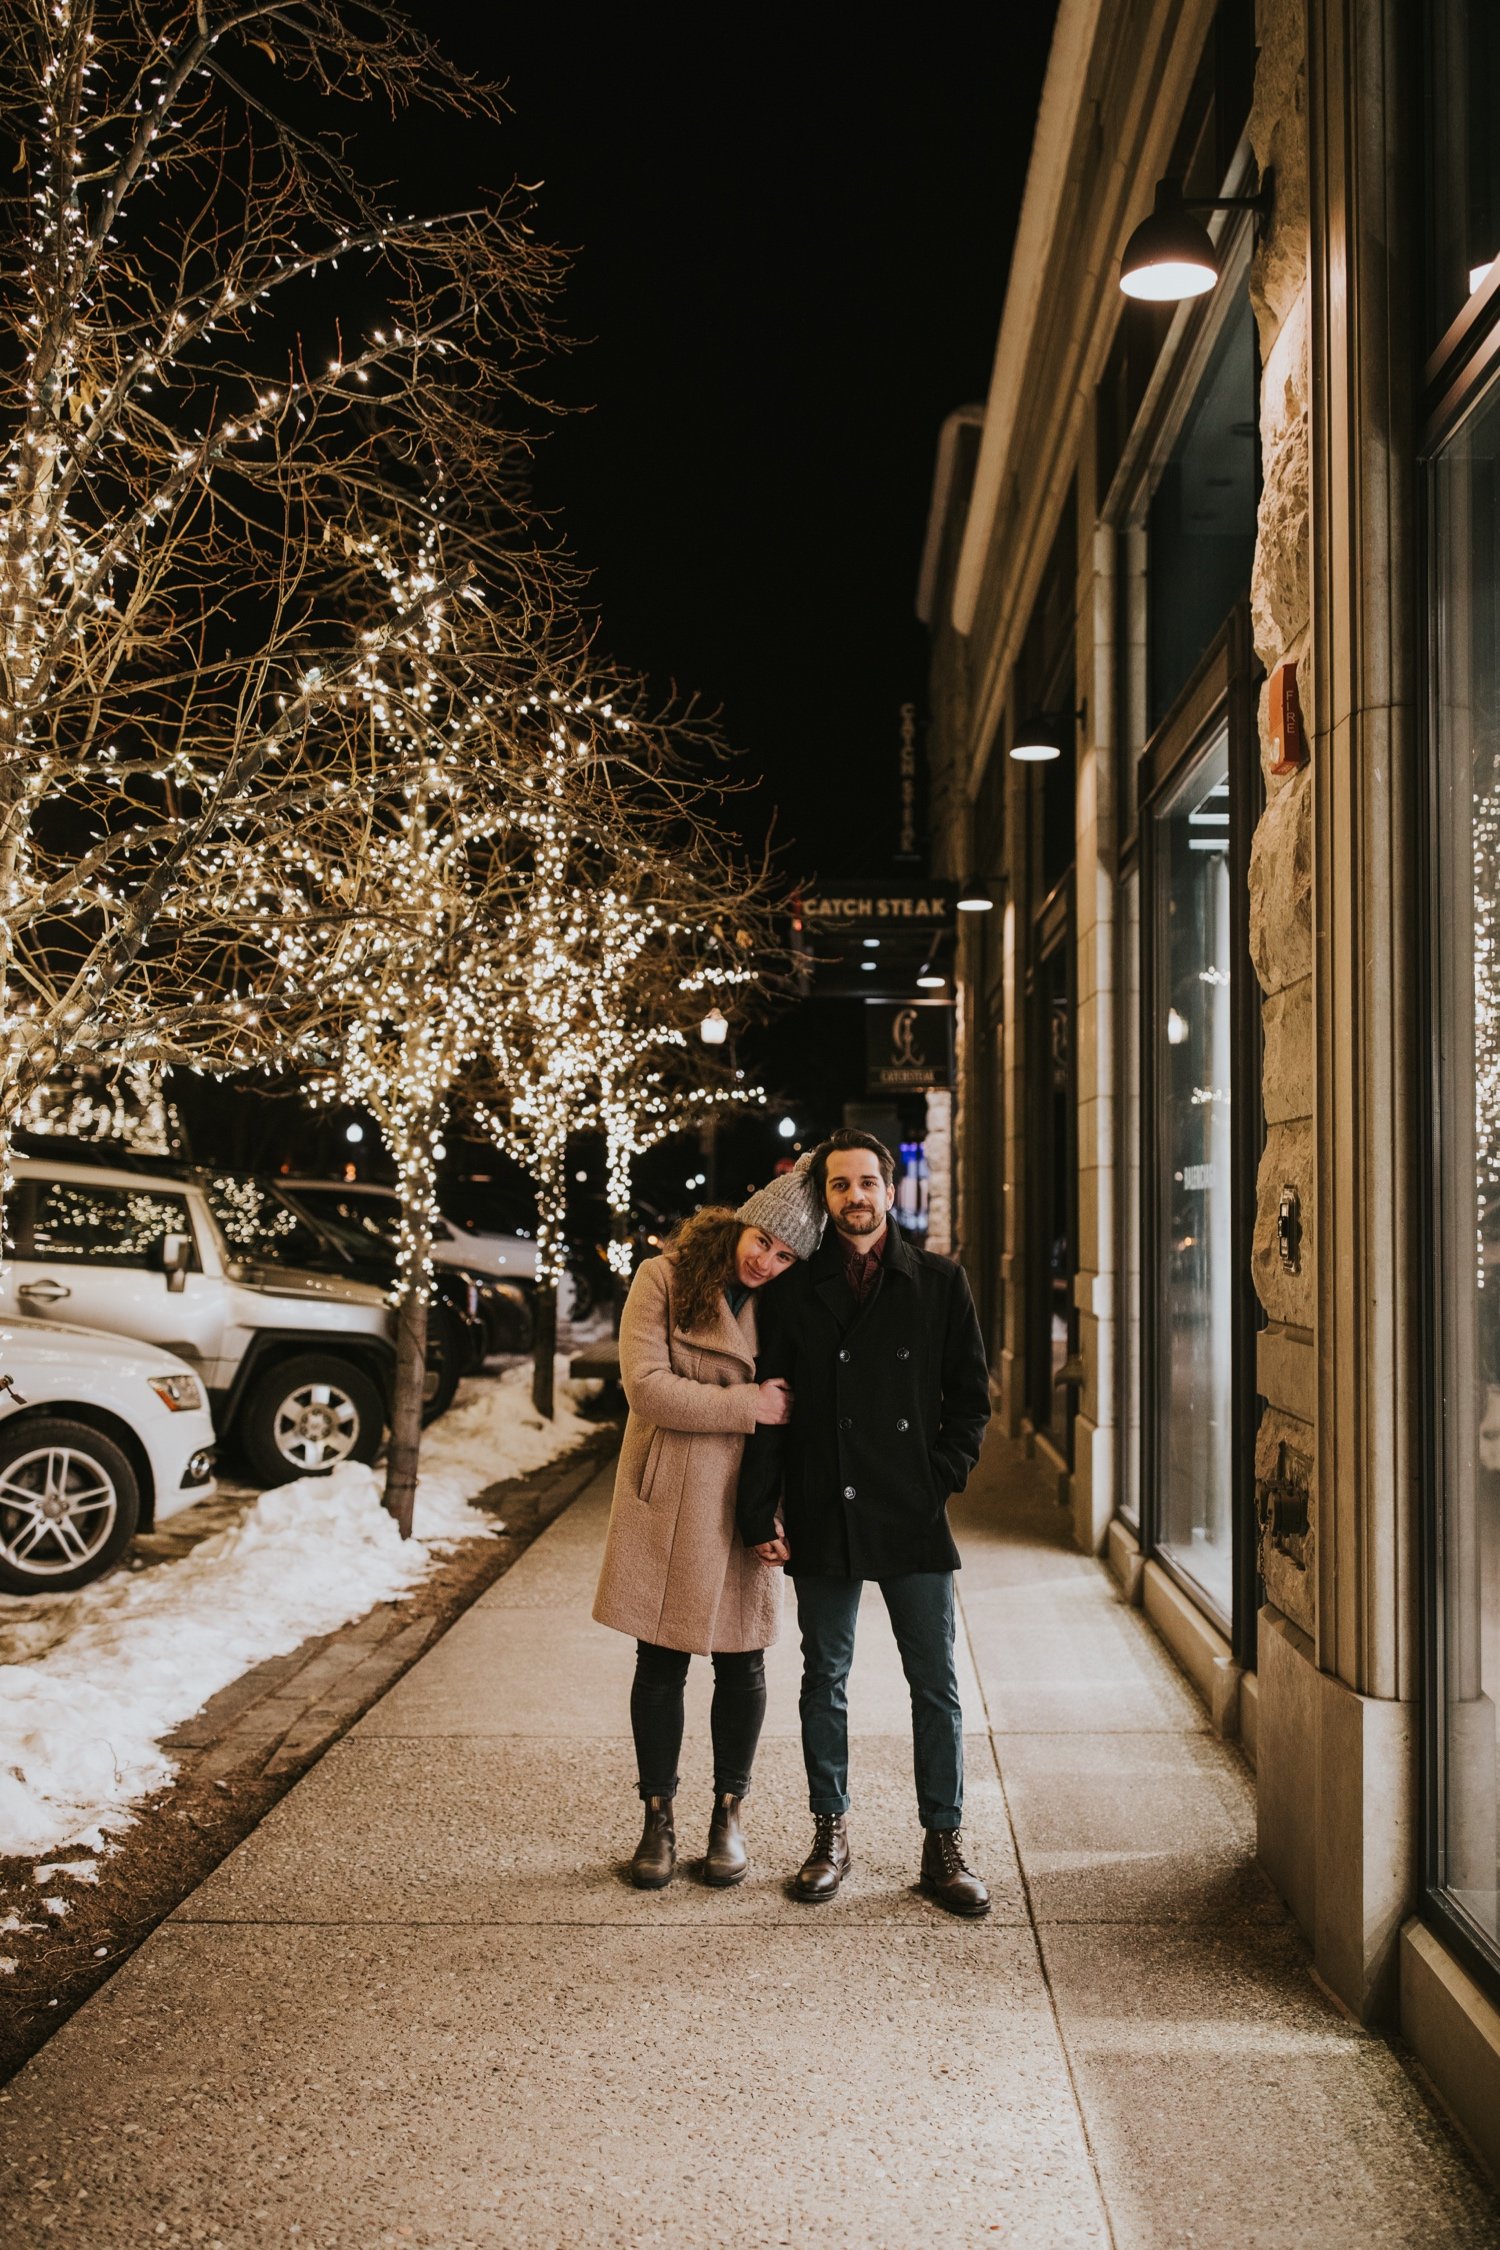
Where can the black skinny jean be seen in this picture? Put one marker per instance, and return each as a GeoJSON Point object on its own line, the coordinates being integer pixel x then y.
{"type": "Point", "coordinates": [739, 1706]}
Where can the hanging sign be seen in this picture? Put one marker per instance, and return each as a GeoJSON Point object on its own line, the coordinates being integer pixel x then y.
{"type": "Point", "coordinates": [906, 834]}
{"type": "Point", "coordinates": [908, 1045]}
{"type": "Point", "coordinates": [879, 903]}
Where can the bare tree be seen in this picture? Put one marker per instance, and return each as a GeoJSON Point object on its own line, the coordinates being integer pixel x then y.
{"type": "Point", "coordinates": [659, 1078]}
{"type": "Point", "coordinates": [636, 899]}
{"type": "Point", "coordinates": [365, 933]}
{"type": "Point", "coordinates": [186, 418]}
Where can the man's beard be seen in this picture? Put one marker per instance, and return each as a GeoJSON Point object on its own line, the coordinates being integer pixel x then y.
{"type": "Point", "coordinates": [860, 1219]}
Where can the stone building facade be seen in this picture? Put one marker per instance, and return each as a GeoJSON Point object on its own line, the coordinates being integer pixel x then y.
{"type": "Point", "coordinates": [1197, 1183]}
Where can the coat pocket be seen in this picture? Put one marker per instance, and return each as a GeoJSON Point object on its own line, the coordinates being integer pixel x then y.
{"type": "Point", "coordinates": [650, 1466]}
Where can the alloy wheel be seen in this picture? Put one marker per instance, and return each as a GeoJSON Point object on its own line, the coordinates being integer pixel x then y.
{"type": "Point", "coordinates": [57, 1511]}
{"type": "Point", "coordinates": [316, 1426]}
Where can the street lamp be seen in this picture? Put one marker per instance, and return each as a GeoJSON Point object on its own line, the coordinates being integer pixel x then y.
{"type": "Point", "coordinates": [1170, 255]}
{"type": "Point", "coordinates": [714, 1029]}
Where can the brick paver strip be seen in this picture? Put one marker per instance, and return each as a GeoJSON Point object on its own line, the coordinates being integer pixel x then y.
{"type": "Point", "coordinates": [319, 1724]}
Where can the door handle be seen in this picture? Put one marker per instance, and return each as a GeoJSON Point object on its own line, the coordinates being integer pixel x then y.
{"type": "Point", "coordinates": [48, 1291]}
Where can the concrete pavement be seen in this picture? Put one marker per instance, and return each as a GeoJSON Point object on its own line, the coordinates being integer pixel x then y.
{"type": "Point", "coordinates": [420, 2005]}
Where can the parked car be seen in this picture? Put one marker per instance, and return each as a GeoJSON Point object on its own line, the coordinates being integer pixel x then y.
{"type": "Point", "coordinates": [500, 1296]}
{"type": "Point", "coordinates": [455, 1326]}
{"type": "Point", "coordinates": [99, 1439]}
{"type": "Point", "coordinates": [500, 1257]}
{"type": "Point", "coordinates": [297, 1360]}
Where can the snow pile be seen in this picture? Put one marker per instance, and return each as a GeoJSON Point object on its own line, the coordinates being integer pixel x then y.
{"type": "Point", "coordinates": [81, 1727]}
{"type": "Point", "coordinates": [484, 1436]}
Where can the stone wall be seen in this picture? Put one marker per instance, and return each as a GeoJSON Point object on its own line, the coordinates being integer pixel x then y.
{"type": "Point", "coordinates": [1281, 859]}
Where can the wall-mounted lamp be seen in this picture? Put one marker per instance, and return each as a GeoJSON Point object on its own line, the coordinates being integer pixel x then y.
{"type": "Point", "coordinates": [929, 979]}
{"type": "Point", "coordinates": [714, 1029]}
{"type": "Point", "coordinates": [1170, 255]}
{"type": "Point", "coordinates": [973, 898]}
{"type": "Point", "coordinates": [1044, 735]}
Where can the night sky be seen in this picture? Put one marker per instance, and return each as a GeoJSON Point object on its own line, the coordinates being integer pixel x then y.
{"type": "Point", "coordinates": [792, 234]}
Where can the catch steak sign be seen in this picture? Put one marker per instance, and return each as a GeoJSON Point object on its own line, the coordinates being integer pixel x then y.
{"type": "Point", "coordinates": [908, 1045]}
{"type": "Point", "coordinates": [879, 905]}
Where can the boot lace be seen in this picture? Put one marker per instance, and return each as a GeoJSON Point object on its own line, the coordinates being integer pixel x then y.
{"type": "Point", "coordinates": [825, 1828]}
{"type": "Point", "coordinates": [951, 1853]}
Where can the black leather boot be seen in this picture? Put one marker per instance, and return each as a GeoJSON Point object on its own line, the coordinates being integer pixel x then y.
{"type": "Point", "coordinates": [726, 1859]}
{"type": "Point", "coordinates": [826, 1865]}
{"type": "Point", "coordinates": [946, 1880]}
{"type": "Point", "coordinates": [656, 1853]}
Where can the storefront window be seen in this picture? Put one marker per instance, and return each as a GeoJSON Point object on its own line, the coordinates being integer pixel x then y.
{"type": "Point", "coordinates": [1130, 1190]}
{"type": "Point", "coordinates": [1464, 207]}
{"type": "Point", "coordinates": [1191, 1054]}
{"type": "Point", "coordinates": [1200, 532]}
{"type": "Point", "coordinates": [1465, 515]}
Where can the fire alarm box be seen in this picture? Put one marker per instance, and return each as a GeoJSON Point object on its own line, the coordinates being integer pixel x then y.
{"type": "Point", "coordinates": [1288, 739]}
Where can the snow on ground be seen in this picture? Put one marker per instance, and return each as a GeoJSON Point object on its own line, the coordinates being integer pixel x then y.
{"type": "Point", "coordinates": [82, 1725]}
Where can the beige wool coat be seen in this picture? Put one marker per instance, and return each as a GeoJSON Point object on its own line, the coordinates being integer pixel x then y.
{"type": "Point", "coordinates": [674, 1570]}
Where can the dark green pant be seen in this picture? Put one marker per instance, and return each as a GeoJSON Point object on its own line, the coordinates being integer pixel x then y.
{"type": "Point", "coordinates": [920, 1608]}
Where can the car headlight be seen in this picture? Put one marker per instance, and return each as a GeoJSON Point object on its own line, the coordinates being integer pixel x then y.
{"type": "Point", "coordinates": [180, 1394]}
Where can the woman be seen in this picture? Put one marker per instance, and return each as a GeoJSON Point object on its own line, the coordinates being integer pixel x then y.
{"type": "Point", "coordinates": [675, 1575]}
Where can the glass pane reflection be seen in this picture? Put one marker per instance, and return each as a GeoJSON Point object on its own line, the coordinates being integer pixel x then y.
{"type": "Point", "coordinates": [1466, 507]}
{"type": "Point", "coordinates": [1191, 1049]}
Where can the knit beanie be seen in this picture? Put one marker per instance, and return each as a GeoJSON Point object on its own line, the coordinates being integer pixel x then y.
{"type": "Point", "coordinates": [788, 1207]}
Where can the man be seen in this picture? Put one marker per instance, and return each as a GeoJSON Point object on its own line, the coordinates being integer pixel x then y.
{"type": "Point", "coordinates": [881, 1348]}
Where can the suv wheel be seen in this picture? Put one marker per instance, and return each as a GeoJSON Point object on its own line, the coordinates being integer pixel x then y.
{"type": "Point", "coordinates": [69, 1505]}
{"type": "Point", "coordinates": [306, 1415]}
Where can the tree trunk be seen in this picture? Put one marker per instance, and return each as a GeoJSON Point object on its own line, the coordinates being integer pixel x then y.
{"type": "Point", "coordinates": [620, 1229]}
{"type": "Point", "coordinates": [406, 1409]}
{"type": "Point", "coordinates": [544, 1349]}
{"type": "Point", "coordinates": [551, 1177]}
{"type": "Point", "coordinates": [411, 1368]}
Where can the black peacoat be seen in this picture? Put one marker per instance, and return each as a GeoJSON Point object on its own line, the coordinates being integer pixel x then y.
{"type": "Point", "coordinates": [890, 1402]}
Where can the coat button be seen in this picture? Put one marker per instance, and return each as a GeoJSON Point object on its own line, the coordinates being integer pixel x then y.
{"type": "Point", "coordinates": [903, 1424]}
{"type": "Point", "coordinates": [844, 1356]}
{"type": "Point", "coordinates": [848, 1492]}
{"type": "Point", "coordinates": [901, 1352]}
{"type": "Point", "coordinates": [846, 1422]}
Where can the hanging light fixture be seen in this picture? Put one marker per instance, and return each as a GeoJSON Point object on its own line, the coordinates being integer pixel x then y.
{"type": "Point", "coordinates": [973, 898]}
{"type": "Point", "coordinates": [929, 978]}
{"type": "Point", "coordinates": [1170, 255]}
{"type": "Point", "coordinates": [1044, 735]}
{"type": "Point", "coordinates": [714, 1029]}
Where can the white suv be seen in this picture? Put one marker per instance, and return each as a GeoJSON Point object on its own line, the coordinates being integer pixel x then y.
{"type": "Point", "coordinates": [297, 1363]}
{"type": "Point", "coordinates": [99, 1439]}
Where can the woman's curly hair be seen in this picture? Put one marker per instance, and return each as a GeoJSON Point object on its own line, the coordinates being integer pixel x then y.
{"type": "Point", "coordinates": [702, 1252]}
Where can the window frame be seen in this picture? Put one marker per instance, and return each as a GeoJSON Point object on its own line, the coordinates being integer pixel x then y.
{"type": "Point", "coordinates": [1220, 694]}
{"type": "Point", "coordinates": [1459, 376]}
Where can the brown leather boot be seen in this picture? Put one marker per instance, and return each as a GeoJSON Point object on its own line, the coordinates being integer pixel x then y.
{"type": "Point", "coordinates": [826, 1865]}
{"type": "Point", "coordinates": [946, 1879]}
{"type": "Point", "coordinates": [726, 1859]}
{"type": "Point", "coordinates": [656, 1853]}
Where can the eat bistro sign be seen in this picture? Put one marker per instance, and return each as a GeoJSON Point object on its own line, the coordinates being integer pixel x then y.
{"type": "Point", "coordinates": [878, 906]}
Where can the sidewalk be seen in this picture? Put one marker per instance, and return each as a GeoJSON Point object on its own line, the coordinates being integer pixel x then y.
{"type": "Point", "coordinates": [420, 2006]}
